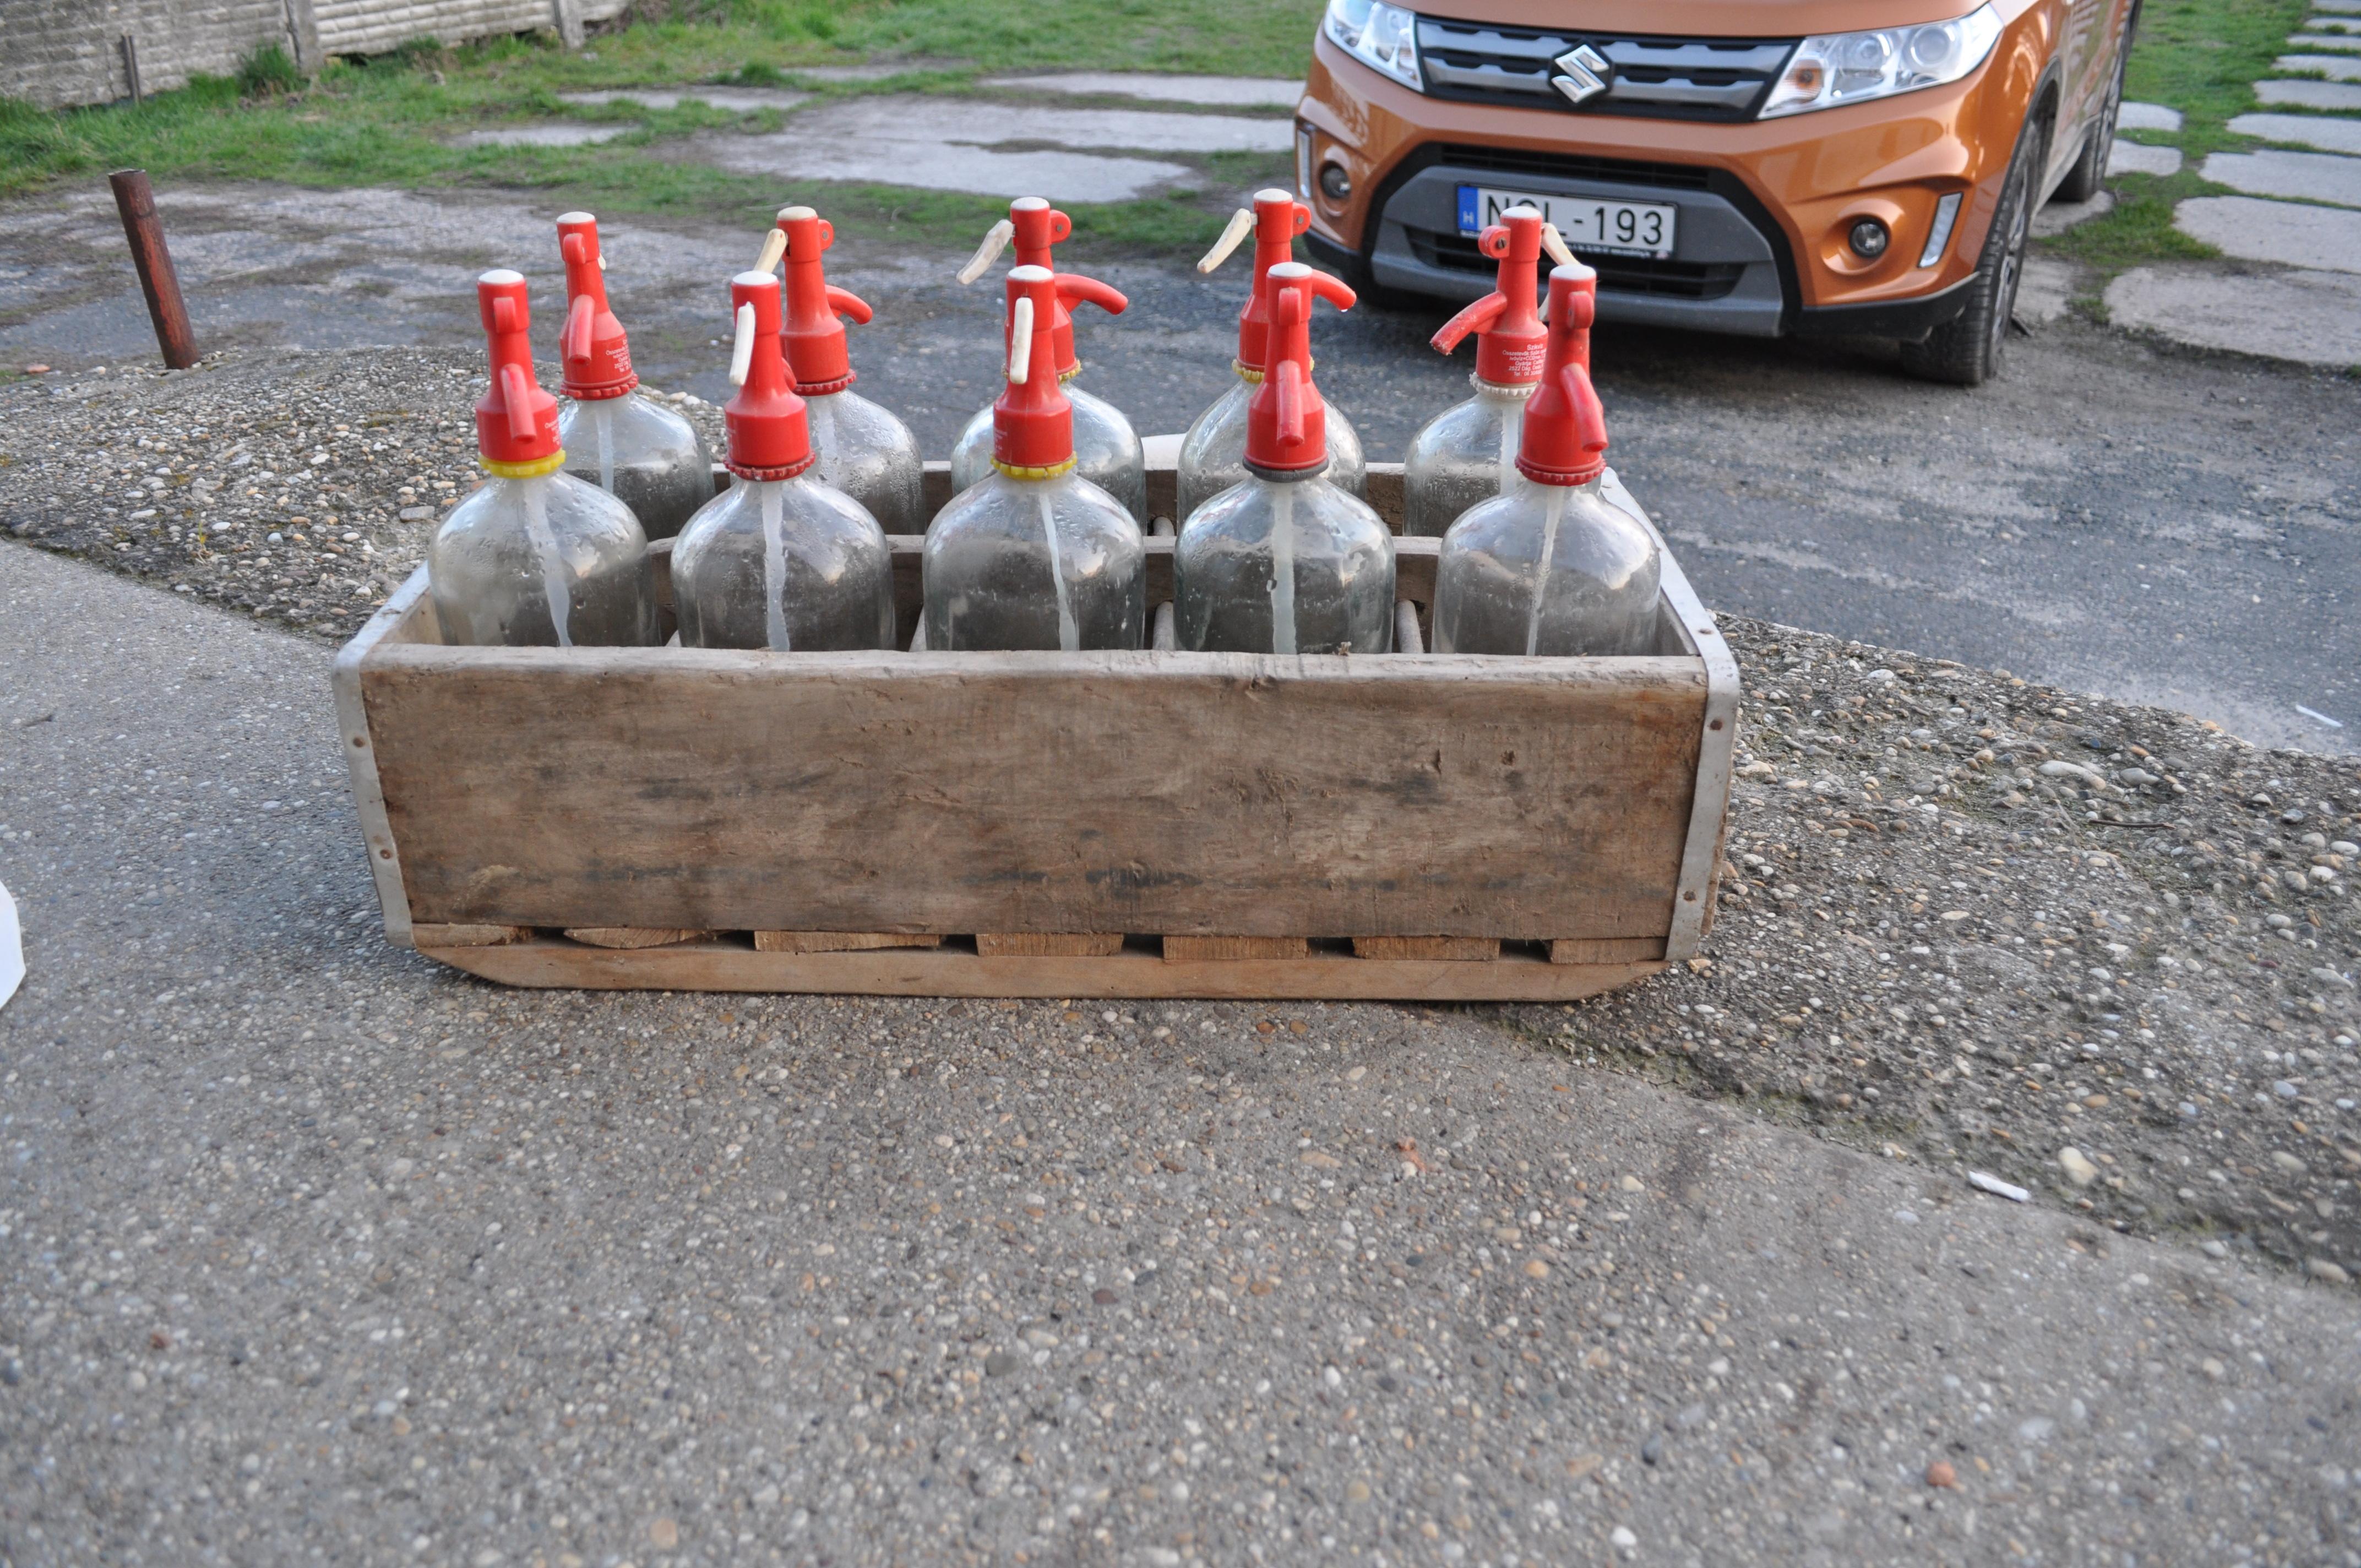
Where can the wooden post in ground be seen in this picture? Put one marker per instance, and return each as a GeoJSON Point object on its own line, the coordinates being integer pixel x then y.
{"type": "Point", "coordinates": [136, 203]}
{"type": "Point", "coordinates": [304, 32]}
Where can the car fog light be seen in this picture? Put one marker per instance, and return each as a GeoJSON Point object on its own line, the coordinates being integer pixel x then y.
{"type": "Point", "coordinates": [1334, 184]}
{"type": "Point", "coordinates": [1868, 239]}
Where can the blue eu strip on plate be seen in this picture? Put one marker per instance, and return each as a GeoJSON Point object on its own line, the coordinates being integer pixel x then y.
{"type": "Point", "coordinates": [1470, 220]}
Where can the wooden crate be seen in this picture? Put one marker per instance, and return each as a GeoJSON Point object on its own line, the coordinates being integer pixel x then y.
{"type": "Point", "coordinates": [1409, 826]}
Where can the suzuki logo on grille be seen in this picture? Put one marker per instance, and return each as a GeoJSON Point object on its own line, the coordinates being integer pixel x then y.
{"type": "Point", "coordinates": [1588, 73]}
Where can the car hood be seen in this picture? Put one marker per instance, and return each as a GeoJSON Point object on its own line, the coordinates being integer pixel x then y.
{"type": "Point", "coordinates": [1700, 19]}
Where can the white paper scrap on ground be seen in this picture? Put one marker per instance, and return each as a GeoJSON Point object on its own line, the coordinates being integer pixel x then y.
{"type": "Point", "coordinates": [12, 948]}
{"type": "Point", "coordinates": [1994, 1185]}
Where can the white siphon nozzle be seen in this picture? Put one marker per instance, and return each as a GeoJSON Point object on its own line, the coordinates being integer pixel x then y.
{"type": "Point", "coordinates": [1555, 243]}
{"type": "Point", "coordinates": [742, 352]}
{"type": "Point", "coordinates": [996, 240]}
{"type": "Point", "coordinates": [1020, 340]}
{"type": "Point", "coordinates": [774, 246]}
{"type": "Point", "coordinates": [1242, 222]}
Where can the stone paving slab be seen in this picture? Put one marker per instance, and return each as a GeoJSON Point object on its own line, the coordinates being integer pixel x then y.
{"type": "Point", "coordinates": [2340, 7]}
{"type": "Point", "coordinates": [542, 136]}
{"type": "Point", "coordinates": [2310, 130]}
{"type": "Point", "coordinates": [1228, 92]}
{"type": "Point", "coordinates": [2255, 230]}
{"type": "Point", "coordinates": [2148, 118]}
{"type": "Point", "coordinates": [943, 144]}
{"type": "Point", "coordinates": [2335, 67]}
{"type": "Point", "coordinates": [737, 100]}
{"type": "Point", "coordinates": [2335, 95]}
{"type": "Point", "coordinates": [2305, 175]}
{"type": "Point", "coordinates": [2137, 157]}
{"type": "Point", "coordinates": [2335, 24]}
{"type": "Point", "coordinates": [2336, 42]}
{"type": "Point", "coordinates": [2309, 318]}
{"type": "Point", "coordinates": [2046, 290]}
{"type": "Point", "coordinates": [2058, 216]}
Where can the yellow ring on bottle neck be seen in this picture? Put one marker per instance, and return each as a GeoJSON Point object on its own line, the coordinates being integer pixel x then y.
{"type": "Point", "coordinates": [1066, 375]}
{"type": "Point", "coordinates": [1051, 472]}
{"type": "Point", "coordinates": [539, 468]}
{"type": "Point", "coordinates": [1253, 378]}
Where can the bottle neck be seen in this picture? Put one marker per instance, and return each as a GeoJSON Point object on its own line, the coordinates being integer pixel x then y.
{"type": "Point", "coordinates": [1517, 392]}
{"type": "Point", "coordinates": [1288, 476]}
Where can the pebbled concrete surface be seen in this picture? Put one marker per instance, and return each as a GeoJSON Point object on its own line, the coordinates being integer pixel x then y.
{"type": "Point", "coordinates": [313, 1251]}
{"type": "Point", "coordinates": [2305, 317]}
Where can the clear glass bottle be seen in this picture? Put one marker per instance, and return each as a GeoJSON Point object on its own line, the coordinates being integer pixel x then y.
{"type": "Point", "coordinates": [782, 560]}
{"type": "Point", "coordinates": [1284, 561]}
{"type": "Point", "coordinates": [1034, 555]}
{"type": "Point", "coordinates": [1549, 566]}
{"type": "Point", "coordinates": [1213, 451]}
{"type": "Point", "coordinates": [535, 557]}
{"type": "Point", "coordinates": [1468, 452]}
{"type": "Point", "coordinates": [794, 566]}
{"type": "Point", "coordinates": [650, 458]}
{"type": "Point", "coordinates": [864, 450]}
{"type": "Point", "coordinates": [1107, 451]}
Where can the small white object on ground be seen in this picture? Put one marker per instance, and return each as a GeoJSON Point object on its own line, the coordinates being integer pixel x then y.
{"type": "Point", "coordinates": [2304, 130]}
{"type": "Point", "coordinates": [2313, 712]}
{"type": "Point", "coordinates": [2256, 230]}
{"type": "Point", "coordinates": [1985, 1182]}
{"type": "Point", "coordinates": [2303, 176]}
{"type": "Point", "coordinates": [2337, 95]}
{"type": "Point", "coordinates": [2077, 1167]}
{"type": "Point", "coordinates": [1225, 91]}
{"type": "Point", "coordinates": [2148, 118]}
{"type": "Point", "coordinates": [2138, 157]}
{"type": "Point", "coordinates": [12, 948]}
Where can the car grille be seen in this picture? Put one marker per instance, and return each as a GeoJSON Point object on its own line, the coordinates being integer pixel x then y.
{"type": "Point", "coordinates": [1656, 78]}
{"type": "Point", "coordinates": [1577, 166]}
{"type": "Point", "coordinates": [1617, 274]}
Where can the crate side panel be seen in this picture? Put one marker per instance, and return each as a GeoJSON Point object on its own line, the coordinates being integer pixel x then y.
{"type": "Point", "coordinates": [1206, 795]}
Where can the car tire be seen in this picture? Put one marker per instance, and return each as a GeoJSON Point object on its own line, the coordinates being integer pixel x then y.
{"type": "Point", "coordinates": [1966, 351]}
{"type": "Point", "coordinates": [2083, 181]}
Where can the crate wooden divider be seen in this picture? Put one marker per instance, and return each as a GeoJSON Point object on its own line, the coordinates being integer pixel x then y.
{"type": "Point", "coordinates": [1406, 826]}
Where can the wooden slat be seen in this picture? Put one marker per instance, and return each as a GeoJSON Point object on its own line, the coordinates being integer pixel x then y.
{"type": "Point", "coordinates": [949, 972]}
{"type": "Point", "coordinates": [468, 936]}
{"type": "Point", "coordinates": [636, 936]}
{"type": "Point", "coordinates": [1607, 950]}
{"type": "Point", "coordinates": [838, 941]}
{"type": "Point", "coordinates": [1048, 944]}
{"type": "Point", "coordinates": [1441, 949]}
{"type": "Point", "coordinates": [1215, 949]}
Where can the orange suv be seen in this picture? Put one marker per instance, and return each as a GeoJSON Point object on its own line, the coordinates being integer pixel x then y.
{"type": "Point", "coordinates": [1763, 167]}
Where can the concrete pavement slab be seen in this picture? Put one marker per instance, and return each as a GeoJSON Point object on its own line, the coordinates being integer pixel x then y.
{"type": "Point", "coordinates": [2322, 131]}
{"type": "Point", "coordinates": [2058, 216]}
{"type": "Point", "coordinates": [736, 100]}
{"type": "Point", "coordinates": [2139, 158]}
{"type": "Point", "coordinates": [2255, 230]}
{"type": "Point", "coordinates": [2306, 176]}
{"type": "Point", "coordinates": [2329, 42]}
{"type": "Point", "coordinates": [2340, 96]}
{"type": "Point", "coordinates": [2305, 318]}
{"type": "Point", "coordinates": [561, 135]}
{"type": "Point", "coordinates": [1230, 92]}
{"type": "Point", "coordinates": [2046, 290]}
{"type": "Point", "coordinates": [2336, 68]}
{"type": "Point", "coordinates": [320, 1253]}
{"type": "Point", "coordinates": [2136, 117]}
{"type": "Point", "coordinates": [2346, 25]}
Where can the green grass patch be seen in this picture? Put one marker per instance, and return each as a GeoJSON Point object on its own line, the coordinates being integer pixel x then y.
{"type": "Point", "coordinates": [388, 121]}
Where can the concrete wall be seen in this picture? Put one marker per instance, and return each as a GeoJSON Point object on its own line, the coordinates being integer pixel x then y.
{"type": "Point", "coordinates": [59, 52]}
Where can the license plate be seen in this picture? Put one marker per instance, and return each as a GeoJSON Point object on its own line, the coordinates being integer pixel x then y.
{"type": "Point", "coordinates": [1587, 222]}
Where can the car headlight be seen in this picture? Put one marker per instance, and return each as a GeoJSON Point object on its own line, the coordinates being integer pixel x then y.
{"type": "Point", "coordinates": [1384, 38]}
{"type": "Point", "coordinates": [1833, 69]}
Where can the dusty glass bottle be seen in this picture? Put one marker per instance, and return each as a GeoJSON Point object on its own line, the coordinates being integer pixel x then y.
{"type": "Point", "coordinates": [782, 560]}
{"type": "Point", "coordinates": [535, 557]}
{"type": "Point", "coordinates": [862, 449]}
{"type": "Point", "coordinates": [1034, 555]}
{"type": "Point", "coordinates": [1549, 566]}
{"type": "Point", "coordinates": [1107, 451]}
{"type": "Point", "coordinates": [1284, 561]}
{"type": "Point", "coordinates": [1213, 451]}
{"type": "Point", "coordinates": [1468, 451]}
{"type": "Point", "coordinates": [648, 457]}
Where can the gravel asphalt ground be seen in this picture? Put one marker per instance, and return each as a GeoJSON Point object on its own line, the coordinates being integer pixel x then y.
{"type": "Point", "coordinates": [313, 1251]}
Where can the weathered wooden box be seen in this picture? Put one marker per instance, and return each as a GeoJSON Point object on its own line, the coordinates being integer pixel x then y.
{"type": "Point", "coordinates": [1071, 825]}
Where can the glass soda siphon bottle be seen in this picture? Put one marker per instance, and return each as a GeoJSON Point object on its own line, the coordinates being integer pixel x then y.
{"type": "Point", "coordinates": [1550, 565]}
{"type": "Point", "coordinates": [648, 457]}
{"type": "Point", "coordinates": [1285, 561]}
{"type": "Point", "coordinates": [1034, 554]}
{"type": "Point", "coordinates": [533, 557]}
{"type": "Point", "coordinates": [1212, 453]}
{"type": "Point", "coordinates": [781, 560]}
{"type": "Point", "coordinates": [863, 449]}
{"type": "Point", "coordinates": [1105, 446]}
{"type": "Point", "coordinates": [1468, 451]}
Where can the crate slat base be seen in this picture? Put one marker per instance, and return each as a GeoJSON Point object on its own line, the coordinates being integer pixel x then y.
{"type": "Point", "coordinates": [635, 935]}
{"type": "Point", "coordinates": [1047, 945]}
{"type": "Point", "coordinates": [1461, 950]}
{"type": "Point", "coordinates": [470, 936]}
{"type": "Point", "coordinates": [838, 941]}
{"type": "Point", "coordinates": [1202, 950]}
{"type": "Point", "coordinates": [1136, 971]}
